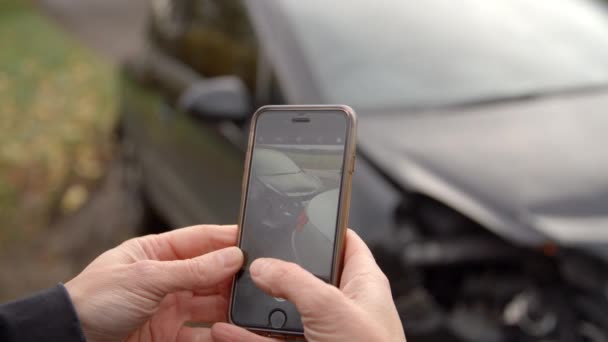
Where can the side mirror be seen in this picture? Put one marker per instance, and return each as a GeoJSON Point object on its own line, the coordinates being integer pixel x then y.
{"type": "Point", "coordinates": [217, 98]}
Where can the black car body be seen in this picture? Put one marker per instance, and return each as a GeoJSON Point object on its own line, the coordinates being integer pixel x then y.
{"type": "Point", "coordinates": [481, 151]}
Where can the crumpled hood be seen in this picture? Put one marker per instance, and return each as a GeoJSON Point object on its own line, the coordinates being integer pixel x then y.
{"type": "Point", "coordinates": [533, 171]}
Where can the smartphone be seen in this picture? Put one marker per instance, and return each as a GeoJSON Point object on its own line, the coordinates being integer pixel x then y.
{"type": "Point", "coordinates": [294, 207]}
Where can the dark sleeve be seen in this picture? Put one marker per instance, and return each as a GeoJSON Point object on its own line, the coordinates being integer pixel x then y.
{"type": "Point", "coordinates": [46, 316]}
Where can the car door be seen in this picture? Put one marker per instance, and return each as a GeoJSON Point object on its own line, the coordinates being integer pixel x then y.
{"type": "Point", "coordinates": [201, 161]}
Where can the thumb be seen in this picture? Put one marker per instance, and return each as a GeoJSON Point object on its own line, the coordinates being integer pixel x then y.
{"type": "Point", "coordinates": [309, 294]}
{"type": "Point", "coordinates": [204, 271]}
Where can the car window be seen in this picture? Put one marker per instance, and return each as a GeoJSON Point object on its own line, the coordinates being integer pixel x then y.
{"type": "Point", "coordinates": [214, 37]}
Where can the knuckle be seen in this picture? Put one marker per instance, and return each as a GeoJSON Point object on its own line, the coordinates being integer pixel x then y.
{"type": "Point", "coordinates": [281, 274]}
{"type": "Point", "coordinates": [148, 279]}
{"type": "Point", "coordinates": [142, 240]}
{"type": "Point", "coordinates": [131, 244]}
{"type": "Point", "coordinates": [286, 271]}
{"type": "Point", "coordinates": [140, 245]}
{"type": "Point", "coordinates": [364, 280]}
{"type": "Point", "coordinates": [327, 294]}
{"type": "Point", "coordinates": [360, 280]}
{"type": "Point", "coordinates": [382, 279]}
{"type": "Point", "coordinates": [198, 270]}
{"type": "Point", "coordinates": [144, 268]}
{"type": "Point", "coordinates": [278, 276]}
{"type": "Point", "coordinates": [324, 299]}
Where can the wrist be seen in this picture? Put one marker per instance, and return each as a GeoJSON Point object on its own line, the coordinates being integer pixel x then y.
{"type": "Point", "coordinates": [69, 305]}
{"type": "Point", "coordinates": [77, 301]}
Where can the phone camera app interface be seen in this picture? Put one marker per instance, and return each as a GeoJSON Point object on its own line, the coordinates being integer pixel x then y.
{"type": "Point", "coordinates": [294, 187]}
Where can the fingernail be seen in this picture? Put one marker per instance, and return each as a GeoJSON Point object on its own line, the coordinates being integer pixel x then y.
{"type": "Point", "coordinates": [257, 266]}
{"type": "Point", "coordinates": [231, 257]}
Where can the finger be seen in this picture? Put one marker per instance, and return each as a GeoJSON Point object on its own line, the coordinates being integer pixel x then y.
{"type": "Point", "coordinates": [207, 270]}
{"type": "Point", "coordinates": [189, 242]}
{"type": "Point", "coordinates": [224, 332]}
{"type": "Point", "coordinates": [358, 260]}
{"type": "Point", "coordinates": [290, 281]}
{"type": "Point", "coordinates": [223, 289]}
{"type": "Point", "coordinates": [362, 279]}
{"type": "Point", "coordinates": [355, 246]}
{"type": "Point", "coordinates": [206, 309]}
{"type": "Point", "coordinates": [194, 334]}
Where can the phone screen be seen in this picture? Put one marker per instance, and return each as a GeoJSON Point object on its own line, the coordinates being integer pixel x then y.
{"type": "Point", "coordinates": [292, 204]}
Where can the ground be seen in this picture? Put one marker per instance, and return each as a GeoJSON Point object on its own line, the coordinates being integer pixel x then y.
{"type": "Point", "coordinates": [61, 201]}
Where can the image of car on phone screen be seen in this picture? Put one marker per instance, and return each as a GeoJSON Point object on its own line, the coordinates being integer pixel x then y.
{"type": "Point", "coordinates": [316, 227]}
{"type": "Point", "coordinates": [282, 185]}
{"type": "Point", "coordinates": [289, 182]}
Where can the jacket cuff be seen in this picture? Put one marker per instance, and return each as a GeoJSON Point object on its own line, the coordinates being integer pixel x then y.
{"type": "Point", "coordinates": [46, 316]}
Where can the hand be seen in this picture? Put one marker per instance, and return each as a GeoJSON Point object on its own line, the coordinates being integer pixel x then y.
{"type": "Point", "coordinates": [362, 309]}
{"type": "Point", "coordinates": [146, 288]}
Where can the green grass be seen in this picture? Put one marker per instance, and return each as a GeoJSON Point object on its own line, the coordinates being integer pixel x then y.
{"type": "Point", "coordinates": [57, 104]}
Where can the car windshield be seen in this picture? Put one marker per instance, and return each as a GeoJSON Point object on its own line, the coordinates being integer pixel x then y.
{"type": "Point", "coordinates": [384, 54]}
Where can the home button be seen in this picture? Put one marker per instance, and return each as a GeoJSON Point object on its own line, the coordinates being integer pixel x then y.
{"type": "Point", "coordinates": [277, 319]}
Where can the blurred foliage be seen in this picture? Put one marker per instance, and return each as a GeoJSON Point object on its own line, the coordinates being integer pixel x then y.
{"type": "Point", "coordinates": [57, 104]}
